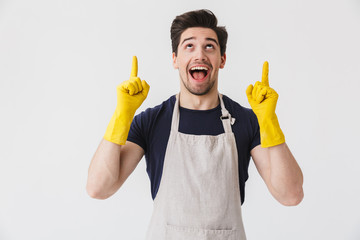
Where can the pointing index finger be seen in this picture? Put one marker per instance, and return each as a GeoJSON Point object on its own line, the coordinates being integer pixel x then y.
{"type": "Point", "coordinates": [134, 68]}
{"type": "Point", "coordinates": [265, 73]}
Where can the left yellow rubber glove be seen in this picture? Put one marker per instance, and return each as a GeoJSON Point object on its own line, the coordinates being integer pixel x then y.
{"type": "Point", "coordinates": [263, 99]}
{"type": "Point", "coordinates": [130, 95]}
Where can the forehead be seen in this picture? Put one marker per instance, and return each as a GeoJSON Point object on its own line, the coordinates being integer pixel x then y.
{"type": "Point", "coordinates": [198, 33]}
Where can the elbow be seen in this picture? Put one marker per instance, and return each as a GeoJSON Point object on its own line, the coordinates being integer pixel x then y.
{"type": "Point", "coordinates": [96, 193]}
{"type": "Point", "coordinates": [293, 199]}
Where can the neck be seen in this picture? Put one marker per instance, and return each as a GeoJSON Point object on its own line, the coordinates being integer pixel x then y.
{"type": "Point", "coordinates": [202, 102]}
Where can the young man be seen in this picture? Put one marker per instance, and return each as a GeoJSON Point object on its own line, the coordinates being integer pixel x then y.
{"type": "Point", "coordinates": [198, 143]}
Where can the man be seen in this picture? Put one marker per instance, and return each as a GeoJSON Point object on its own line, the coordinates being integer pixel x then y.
{"type": "Point", "coordinates": [198, 143]}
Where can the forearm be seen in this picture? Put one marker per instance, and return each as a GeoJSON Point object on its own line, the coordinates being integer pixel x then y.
{"type": "Point", "coordinates": [104, 170]}
{"type": "Point", "coordinates": [285, 175]}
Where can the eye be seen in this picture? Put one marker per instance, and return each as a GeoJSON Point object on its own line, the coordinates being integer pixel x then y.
{"type": "Point", "coordinates": [209, 46]}
{"type": "Point", "coordinates": [189, 45]}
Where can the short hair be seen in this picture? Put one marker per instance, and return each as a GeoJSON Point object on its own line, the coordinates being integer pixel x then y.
{"type": "Point", "coordinates": [198, 18]}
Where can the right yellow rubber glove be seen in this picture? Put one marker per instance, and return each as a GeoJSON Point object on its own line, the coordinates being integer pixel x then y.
{"type": "Point", "coordinates": [263, 99]}
{"type": "Point", "coordinates": [130, 95]}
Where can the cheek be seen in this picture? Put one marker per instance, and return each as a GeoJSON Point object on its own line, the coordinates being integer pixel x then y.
{"type": "Point", "coordinates": [182, 64]}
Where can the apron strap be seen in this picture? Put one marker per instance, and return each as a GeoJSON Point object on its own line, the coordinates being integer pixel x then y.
{"type": "Point", "coordinates": [226, 118]}
{"type": "Point", "coordinates": [175, 117]}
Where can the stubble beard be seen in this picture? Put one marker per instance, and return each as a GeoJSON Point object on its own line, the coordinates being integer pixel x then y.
{"type": "Point", "coordinates": [200, 92]}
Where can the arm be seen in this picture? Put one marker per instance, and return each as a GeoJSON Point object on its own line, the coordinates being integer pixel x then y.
{"type": "Point", "coordinates": [280, 172]}
{"type": "Point", "coordinates": [115, 159]}
{"type": "Point", "coordinates": [273, 159]}
{"type": "Point", "coordinates": [110, 167]}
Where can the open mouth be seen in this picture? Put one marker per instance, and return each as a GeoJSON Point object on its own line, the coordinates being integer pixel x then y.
{"type": "Point", "coordinates": [199, 73]}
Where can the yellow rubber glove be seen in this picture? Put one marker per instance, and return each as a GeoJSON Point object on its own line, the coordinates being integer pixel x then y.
{"type": "Point", "coordinates": [263, 99]}
{"type": "Point", "coordinates": [130, 95]}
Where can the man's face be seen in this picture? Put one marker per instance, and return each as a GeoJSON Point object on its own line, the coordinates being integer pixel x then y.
{"type": "Point", "coordinates": [198, 60]}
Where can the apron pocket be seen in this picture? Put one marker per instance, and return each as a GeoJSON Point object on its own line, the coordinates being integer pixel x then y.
{"type": "Point", "coordinates": [188, 233]}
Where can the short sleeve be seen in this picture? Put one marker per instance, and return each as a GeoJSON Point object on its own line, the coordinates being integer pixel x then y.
{"type": "Point", "coordinates": [137, 129]}
{"type": "Point", "coordinates": [255, 131]}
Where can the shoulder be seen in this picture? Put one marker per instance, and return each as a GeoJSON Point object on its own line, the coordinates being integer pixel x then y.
{"type": "Point", "coordinates": [154, 116]}
{"type": "Point", "coordinates": [151, 122]}
{"type": "Point", "coordinates": [154, 112]}
{"type": "Point", "coordinates": [246, 126]}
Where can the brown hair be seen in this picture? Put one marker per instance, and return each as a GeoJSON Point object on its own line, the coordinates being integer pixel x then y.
{"type": "Point", "coordinates": [199, 18]}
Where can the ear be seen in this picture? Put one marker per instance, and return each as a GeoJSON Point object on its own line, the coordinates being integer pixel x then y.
{"type": "Point", "coordinates": [175, 60]}
{"type": "Point", "coordinates": [223, 60]}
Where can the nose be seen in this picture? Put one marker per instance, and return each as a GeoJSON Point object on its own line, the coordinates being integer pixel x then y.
{"type": "Point", "coordinates": [200, 55]}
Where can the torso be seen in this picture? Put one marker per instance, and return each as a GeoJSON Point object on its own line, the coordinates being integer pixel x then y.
{"type": "Point", "coordinates": [151, 130]}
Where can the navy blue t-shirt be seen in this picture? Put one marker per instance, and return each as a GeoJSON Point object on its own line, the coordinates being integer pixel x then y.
{"type": "Point", "coordinates": [151, 130]}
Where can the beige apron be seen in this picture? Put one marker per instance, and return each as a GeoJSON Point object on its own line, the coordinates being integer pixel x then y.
{"type": "Point", "coordinates": [199, 194]}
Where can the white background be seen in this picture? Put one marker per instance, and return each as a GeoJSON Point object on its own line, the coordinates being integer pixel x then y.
{"type": "Point", "coordinates": [60, 62]}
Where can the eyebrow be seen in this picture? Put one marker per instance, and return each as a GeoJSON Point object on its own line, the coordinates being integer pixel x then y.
{"type": "Point", "coordinates": [208, 39]}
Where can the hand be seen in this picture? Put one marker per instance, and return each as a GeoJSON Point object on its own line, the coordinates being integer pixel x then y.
{"type": "Point", "coordinates": [263, 99]}
{"type": "Point", "coordinates": [132, 93]}
{"type": "Point", "coordinates": [130, 96]}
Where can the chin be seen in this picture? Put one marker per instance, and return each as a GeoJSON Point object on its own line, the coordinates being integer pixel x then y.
{"type": "Point", "coordinates": [202, 91]}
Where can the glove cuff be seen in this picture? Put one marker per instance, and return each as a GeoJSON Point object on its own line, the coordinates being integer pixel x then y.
{"type": "Point", "coordinates": [271, 133]}
{"type": "Point", "coordinates": [119, 126]}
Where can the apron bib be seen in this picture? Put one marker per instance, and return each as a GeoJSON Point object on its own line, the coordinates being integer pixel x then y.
{"type": "Point", "coordinates": [199, 194]}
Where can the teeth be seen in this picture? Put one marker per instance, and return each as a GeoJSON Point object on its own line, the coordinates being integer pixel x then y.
{"type": "Point", "coordinates": [199, 68]}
